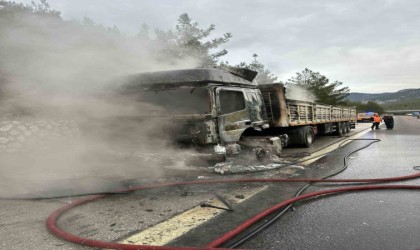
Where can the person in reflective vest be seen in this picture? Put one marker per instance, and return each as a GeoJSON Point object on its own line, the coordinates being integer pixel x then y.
{"type": "Point", "coordinates": [376, 120]}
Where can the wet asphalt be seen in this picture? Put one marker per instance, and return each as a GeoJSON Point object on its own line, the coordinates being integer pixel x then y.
{"type": "Point", "coordinates": [374, 220]}
{"type": "Point", "coordinates": [361, 220]}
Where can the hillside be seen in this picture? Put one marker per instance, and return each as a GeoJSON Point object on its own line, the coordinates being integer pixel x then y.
{"type": "Point", "coordinates": [406, 104]}
{"type": "Point", "coordinates": [388, 97]}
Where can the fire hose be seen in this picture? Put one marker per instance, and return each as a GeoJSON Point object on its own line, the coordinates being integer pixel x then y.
{"type": "Point", "coordinates": [53, 228]}
{"type": "Point", "coordinates": [284, 205]}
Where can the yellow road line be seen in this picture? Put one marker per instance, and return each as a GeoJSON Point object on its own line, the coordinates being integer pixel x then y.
{"type": "Point", "coordinates": [178, 225]}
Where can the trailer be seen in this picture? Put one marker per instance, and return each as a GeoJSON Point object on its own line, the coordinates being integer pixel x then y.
{"type": "Point", "coordinates": [302, 120]}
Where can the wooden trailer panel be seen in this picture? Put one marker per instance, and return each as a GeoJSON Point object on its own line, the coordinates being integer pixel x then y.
{"type": "Point", "coordinates": [284, 112]}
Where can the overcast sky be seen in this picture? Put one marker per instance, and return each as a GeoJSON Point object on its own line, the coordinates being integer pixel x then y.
{"type": "Point", "coordinates": [370, 46]}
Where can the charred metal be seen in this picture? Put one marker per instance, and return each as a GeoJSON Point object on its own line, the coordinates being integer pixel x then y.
{"type": "Point", "coordinates": [229, 112]}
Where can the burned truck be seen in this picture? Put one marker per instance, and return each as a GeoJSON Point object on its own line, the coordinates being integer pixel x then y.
{"type": "Point", "coordinates": [228, 112]}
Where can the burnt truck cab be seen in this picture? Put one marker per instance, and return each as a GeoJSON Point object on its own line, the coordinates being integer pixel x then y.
{"type": "Point", "coordinates": [205, 106]}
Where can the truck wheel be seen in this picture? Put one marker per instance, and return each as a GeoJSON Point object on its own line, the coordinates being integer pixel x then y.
{"type": "Point", "coordinates": [306, 136]}
{"type": "Point", "coordinates": [339, 129]}
{"type": "Point", "coordinates": [344, 127]}
{"type": "Point", "coordinates": [347, 125]}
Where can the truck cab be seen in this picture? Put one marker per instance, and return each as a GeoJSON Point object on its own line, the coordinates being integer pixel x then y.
{"type": "Point", "coordinates": [199, 106]}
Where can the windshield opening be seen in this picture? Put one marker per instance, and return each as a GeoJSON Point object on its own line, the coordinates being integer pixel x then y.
{"type": "Point", "coordinates": [181, 101]}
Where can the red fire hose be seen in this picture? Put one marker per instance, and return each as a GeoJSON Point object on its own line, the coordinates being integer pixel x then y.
{"type": "Point", "coordinates": [53, 228]}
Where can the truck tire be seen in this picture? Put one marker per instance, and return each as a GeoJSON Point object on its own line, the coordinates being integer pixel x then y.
{"type": "Point", "coordinates": [344, 127]}
{"type": "Point", "coordinates": [339, 129]}
{"type": "Point", "coordinates": [348, 127]}
{"type": "Point", "coordinates": [306, 136]}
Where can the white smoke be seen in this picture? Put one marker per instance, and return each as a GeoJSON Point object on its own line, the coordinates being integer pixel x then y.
{"type": "Point", "coordinates": [296, 92]}
{"type": "Point", "coordinates": [52, 69]}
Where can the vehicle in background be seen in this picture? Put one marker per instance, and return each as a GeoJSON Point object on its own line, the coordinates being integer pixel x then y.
{"type": "Point", "coordinates": [230, 112]}
{"type": "Point", "coordinates": [364, 117]}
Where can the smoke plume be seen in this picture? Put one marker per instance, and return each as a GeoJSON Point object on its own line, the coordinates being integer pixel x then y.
{"type": "Point", "coordinates": [57, 70]}
{"type": "Point", "coordinates": [296, 92]}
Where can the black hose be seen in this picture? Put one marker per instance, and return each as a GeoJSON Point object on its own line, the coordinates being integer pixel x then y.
{"type": "Point", "coordinates": [282, 212]}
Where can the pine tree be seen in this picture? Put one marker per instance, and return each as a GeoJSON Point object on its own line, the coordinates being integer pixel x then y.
{"type": "Point", "coordinates": [325, 91]}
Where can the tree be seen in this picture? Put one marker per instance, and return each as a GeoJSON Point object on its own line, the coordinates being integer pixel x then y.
{"type": "Point", "coordinates": [144, 32]}
{"type": "Point", "coordinates": [41, 8]}
{"type": "Point", "coordinates": [370, 106]}
{"type": "Point", "coordinates": [189, 40]}
{"type": "Point", "coordinates": [324, 91]}
{"type": "Point", "coordinates": [264, 75]}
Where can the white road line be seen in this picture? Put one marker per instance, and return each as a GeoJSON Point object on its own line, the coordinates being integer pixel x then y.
{"type": "Point", "coordinates": [321, 153]}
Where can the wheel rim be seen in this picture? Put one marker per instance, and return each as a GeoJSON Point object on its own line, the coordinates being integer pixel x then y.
{"type": "Point", "coordinates": [309, 138]}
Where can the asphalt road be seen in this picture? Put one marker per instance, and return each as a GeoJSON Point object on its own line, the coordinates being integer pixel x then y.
{"type": "Point", "coordinates": [362, 220]}
{"type": "Point", "coordinates": [118, 216]}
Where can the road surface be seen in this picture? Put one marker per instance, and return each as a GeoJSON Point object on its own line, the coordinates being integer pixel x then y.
{"type": "Point", "coordinates": [119, 217]}
{"type": "Point", "coordinates": [363, 220]}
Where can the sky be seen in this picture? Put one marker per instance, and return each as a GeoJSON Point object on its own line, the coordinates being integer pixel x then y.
{"type": "Point", "coordinates": [371, 46]}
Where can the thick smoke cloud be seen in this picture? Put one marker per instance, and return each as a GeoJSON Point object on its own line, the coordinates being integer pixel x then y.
{"type": "Point", "coordinates": [45, 55]}
{"type": "Point", "coordinates": [52, 69]}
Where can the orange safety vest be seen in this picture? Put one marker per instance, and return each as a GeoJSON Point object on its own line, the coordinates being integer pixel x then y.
{"type": "Point", "coordinates": [376, 119]}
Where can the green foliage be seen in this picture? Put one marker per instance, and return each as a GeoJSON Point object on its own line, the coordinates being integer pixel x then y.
{"type": "Point", "coordinates": [264, 75]}
{"type": "Point", "coordinates": [41, 8]}
{"type": "Point", "coordinates": [408, 104]}
{"type": "Point", "coordinates": [188, 40]}
{"type": "Point", "coordinates": [325, 91]}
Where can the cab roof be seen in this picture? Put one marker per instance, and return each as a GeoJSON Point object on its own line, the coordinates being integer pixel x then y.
{"type": "Point", "coordinates": [188, 78]}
